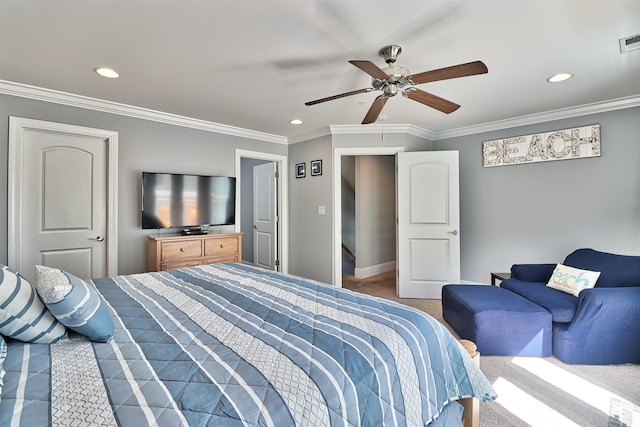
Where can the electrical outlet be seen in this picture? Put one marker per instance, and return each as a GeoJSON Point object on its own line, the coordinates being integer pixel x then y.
{"type": "Point", "coordinates": [321, 210]}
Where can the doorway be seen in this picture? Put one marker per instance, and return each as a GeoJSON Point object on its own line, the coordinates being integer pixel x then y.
{"type": "Point", "coordinates": [254, 235]}
{"type": "Point", "coordinates": [338, 153]}
{"type": "Point", "coordinates": [368, 215]}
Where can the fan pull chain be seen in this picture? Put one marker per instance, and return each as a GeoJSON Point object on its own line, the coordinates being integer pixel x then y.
{"type": "Point", "coordinates": [382, 135]}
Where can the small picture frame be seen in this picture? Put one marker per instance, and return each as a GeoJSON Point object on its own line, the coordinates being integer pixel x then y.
{"type": "Point", "coordinates": [316, 167]}
{"type": "Point", "coordinates": [301, 170]}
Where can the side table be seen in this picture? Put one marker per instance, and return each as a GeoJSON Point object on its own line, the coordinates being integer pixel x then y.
{"type": "Point", "coordinates": [499, 276]}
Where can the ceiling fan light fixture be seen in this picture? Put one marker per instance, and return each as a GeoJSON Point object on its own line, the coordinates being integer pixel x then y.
{"type": "Point", "coordinates": [107, 72]}
{"type": "Point", "coordinates": [560, 77]}
{"type": "Point", "coordinates": [394, 79]}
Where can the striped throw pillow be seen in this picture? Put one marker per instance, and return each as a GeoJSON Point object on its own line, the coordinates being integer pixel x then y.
{"type": "Point", "coordinates": [75, 303]}
{"type": "Point", "coordinates": [23, 316]}
{"type": "Point", "coordinates": [3, 355]}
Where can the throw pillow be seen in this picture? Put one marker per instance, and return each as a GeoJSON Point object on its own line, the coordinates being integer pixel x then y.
{"type": "Point", "coordinates": [22, 315]}
{"type": "Point", "coordinates": [572, 280]}
{"type": "Point", "coordinates": [75, 303]}
{"type": "Point", "coordinates": [3, 355]}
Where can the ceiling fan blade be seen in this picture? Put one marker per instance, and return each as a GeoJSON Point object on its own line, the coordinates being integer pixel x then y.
{"type": "Point", "coordinates": [342, 95]}
{"type": "Point", "coordinates": [372, 69]}
{"type": "Point", "coordinates": [375, 109]}
{"type": "Point", "coordinates": [431, 100]}
{"type": "Point", "coordinates": [455, 71]}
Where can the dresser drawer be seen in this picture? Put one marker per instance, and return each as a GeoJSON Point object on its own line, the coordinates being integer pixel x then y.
{"type": "Point", "coordinates": [219, 246]}
{"type": "Point", "coordinates": [181, 250]}
{"type": "Point", "coordinates": [229, 257]}
{"type": "Point", "coordinates": [179, 264]}
{"type": "Point", "coordinates": [173, 251]}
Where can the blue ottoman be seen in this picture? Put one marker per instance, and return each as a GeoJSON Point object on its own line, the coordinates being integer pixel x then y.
{"type": "Point", "coordinates": [499, 321]}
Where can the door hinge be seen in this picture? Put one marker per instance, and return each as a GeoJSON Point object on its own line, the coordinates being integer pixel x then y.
{"type": "Point", "coordinates": [277, 174]}
{"type": "Point", "coordinates": [277, 218]}
{"type": "Point", "coordinates": [277, 263]}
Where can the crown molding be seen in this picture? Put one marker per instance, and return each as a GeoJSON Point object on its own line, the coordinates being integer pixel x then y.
{"type": "Point", "coordinates": [63, 98]}
{"type": "Point", "coordinates": [383, 128]}
{"type": "Point", "coordinates": [309, 135]}
{"type": "Point", "coordinates": [562, 113]}
{"type": "Point", "coordinates": [363, 129]}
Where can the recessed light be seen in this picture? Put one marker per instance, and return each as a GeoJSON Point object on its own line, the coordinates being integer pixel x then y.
{"type": "Point", "coordinates": [560, 77]}
{"type": "Point", "coordinates": [295, 121]}
{"type": "Point", "coordinates": [107, 72]}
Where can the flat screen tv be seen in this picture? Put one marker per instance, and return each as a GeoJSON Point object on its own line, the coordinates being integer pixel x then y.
{"type": "Point", "coordinates": [187, 201]}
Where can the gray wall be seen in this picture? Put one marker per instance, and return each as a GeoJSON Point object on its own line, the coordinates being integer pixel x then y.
{"type": "Point", "coordinates": [375, 210]}
{"type": "Point", "coordinates": [509, 214]}
{"type": "Point", "coordinates": [310, 234]}
{"type": "Point", "coordinates": [519, 213]}
{"type": "Point", "coordinates": [542, 211]}
{"type": "Point", "coordinates": [143, 146]}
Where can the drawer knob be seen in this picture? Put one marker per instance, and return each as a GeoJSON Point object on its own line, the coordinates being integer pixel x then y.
{"type": "Point", "coordinates": [222, 246]}
{"type": "Point", "coordinates": [183, 249]}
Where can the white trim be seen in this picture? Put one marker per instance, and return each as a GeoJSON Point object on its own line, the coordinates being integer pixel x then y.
{"type": "Point", "coordinates": [312, 134]}
{"type": "Point", "coordinates": [57, 97]}
{"type": "Point", "coordinates": [17, 126]}
{"type": "Point", "coordinates": [338, 152]}
{"type": "Point", "coordinates": [363, 273]}
{"type": "Point", "coordinates": [361, 129]}
{"type": "Point", "coordinates": [379, 128]}
{"type": "Point", "coordinates": [562, 113]}
{"type": "Point", "coordinates": [284, 198]}
{"type": "Point", "coordinates": [547, 116]}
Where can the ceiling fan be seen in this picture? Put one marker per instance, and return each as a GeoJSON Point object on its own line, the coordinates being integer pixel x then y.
{"type": "Point", "coordinates": [394, 79]}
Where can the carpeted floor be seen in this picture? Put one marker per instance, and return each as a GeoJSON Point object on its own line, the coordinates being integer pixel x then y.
{"type": "Point", "coordinates": [536, 391]}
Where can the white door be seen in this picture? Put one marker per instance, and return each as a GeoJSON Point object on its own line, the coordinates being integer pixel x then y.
{"type": "Point", "coordinates": [265, 216]}
{"type": "Point", "coordinates": [61, 206]}
{"type": "Point", "coordinates": [428, 248]}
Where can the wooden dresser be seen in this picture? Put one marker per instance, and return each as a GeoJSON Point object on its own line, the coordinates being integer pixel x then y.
{"type": "Point", "coordinates": [174, 251]}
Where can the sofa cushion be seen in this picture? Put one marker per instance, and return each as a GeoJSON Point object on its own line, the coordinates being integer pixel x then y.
{"type": "Point", "coordinates": [562, 306]}
{"type": "Point", "coordinates": [615, 270]}
{"type": "Point", "coordinates": [498, 321]}
{"type": "Point", "coordinates": [572, 280]}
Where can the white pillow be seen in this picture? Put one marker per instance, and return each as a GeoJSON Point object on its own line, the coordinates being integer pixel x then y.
{"type": "Point", "coordinates": [23, 316]}
{"type": "Point", "coordinates": [572, 280]}
{"type": "Point", "coordinates": [3, 355]}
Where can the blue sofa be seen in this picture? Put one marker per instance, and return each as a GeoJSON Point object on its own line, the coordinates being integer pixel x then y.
{"type": "Point", "coordinates": [602, 325]}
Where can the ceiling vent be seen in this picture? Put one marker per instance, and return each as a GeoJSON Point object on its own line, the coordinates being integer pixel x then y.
{"type": "Point", "coordinates": [628, 44]}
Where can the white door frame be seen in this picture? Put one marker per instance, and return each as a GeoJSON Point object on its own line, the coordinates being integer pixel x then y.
{"type": "Point", "coordinates": [283, 183]}
{"type": "Point", "coordinates": [338, 152]}
{"type": "Point", "coordinates": [17, 126]}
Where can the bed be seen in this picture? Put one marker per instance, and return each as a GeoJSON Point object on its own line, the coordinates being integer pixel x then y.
{"type": "Point", "coordinates": [232, 344]}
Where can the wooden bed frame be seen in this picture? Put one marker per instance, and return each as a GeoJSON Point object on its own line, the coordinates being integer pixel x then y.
{"type": "Point", "coordinates": [471, 414]}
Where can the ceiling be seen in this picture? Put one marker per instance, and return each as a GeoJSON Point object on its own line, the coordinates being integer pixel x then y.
{"type": "Point", "coordinates": [253, 64]}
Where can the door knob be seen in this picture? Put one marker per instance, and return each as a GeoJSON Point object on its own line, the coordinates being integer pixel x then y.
{"type": "Point", "coordinates": [255, 226]}
{"type": "Point", "coordinates": [97, 239]}
{"type": "Point", "coordinates": [454, 232]}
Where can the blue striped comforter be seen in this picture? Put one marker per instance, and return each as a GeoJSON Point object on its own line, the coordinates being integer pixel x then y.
{"type": "Point", "coordinates": [231, 344]}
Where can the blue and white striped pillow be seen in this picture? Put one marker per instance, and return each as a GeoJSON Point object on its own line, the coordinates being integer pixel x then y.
{"type": "Point", "coordinates": [22, 315]}
{"type": "Point", "coordinates": [3, 355]}
{"type": "Point", "coordinates": [75, 303]}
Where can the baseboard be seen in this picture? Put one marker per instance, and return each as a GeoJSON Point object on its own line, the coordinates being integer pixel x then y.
{"type": "Point", "coordinates": [363, 273]}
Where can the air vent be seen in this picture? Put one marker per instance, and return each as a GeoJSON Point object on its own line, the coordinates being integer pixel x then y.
{"type": "Point", "coordinates": [630, 43]}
